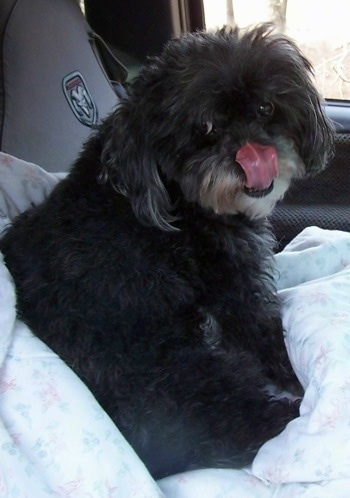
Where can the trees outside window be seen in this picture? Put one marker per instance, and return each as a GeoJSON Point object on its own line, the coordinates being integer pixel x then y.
{"type": "Point", "coordinates": [320, 29]}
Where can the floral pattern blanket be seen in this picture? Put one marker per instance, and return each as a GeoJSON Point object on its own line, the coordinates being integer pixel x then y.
{"type": "Point", "coordinates": [56, 441]}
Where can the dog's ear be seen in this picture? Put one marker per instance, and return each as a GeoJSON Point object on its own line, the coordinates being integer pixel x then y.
{"type": "Point", "coordinates": [129, 164]}
{"type": "Point", "coordinates": [316, 134]}
{"type": "Point", "coordinates": [292, 81]}
{"type": "Point", "coordinates": [310, 126]}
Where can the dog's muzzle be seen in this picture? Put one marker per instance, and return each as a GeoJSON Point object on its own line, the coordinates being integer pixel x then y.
{"type": "Point", "coordinates": [260, 166]}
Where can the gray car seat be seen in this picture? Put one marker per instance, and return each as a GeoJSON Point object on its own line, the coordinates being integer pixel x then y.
{"type": "Point", "coordinates": [54, 85]}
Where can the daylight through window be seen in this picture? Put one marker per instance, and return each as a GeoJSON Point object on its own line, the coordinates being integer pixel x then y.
{"type": "Point", "coordinates": [321, 30]}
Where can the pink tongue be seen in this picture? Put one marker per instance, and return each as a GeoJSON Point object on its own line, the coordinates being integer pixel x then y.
{"type": "Point", "coordinates": [259, 163]}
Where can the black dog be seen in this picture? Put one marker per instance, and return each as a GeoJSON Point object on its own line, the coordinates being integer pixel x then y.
{"type": "Point", "coordinates": [148, 270]}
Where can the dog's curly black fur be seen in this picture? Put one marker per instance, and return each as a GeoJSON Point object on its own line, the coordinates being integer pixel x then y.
{"type": "Point", "coordinates": [148, 269]}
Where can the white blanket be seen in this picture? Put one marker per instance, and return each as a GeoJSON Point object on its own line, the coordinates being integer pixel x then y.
{"type": "Point", "coordinates": [55, 440]}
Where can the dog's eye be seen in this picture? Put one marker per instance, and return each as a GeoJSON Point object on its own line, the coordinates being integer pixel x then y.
{"type": "Point", "coordinates": [207, 128]}
{"type": "Point", "coordinates": [265, 109]}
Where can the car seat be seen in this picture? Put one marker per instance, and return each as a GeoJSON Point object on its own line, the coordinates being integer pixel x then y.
{"type": "Point", "coordinates": [55, 82]}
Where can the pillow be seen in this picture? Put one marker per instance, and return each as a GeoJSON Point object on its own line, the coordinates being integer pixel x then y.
{"type": "Point", "coordinates": [22, 185]}
{"type": "Point", "coordinates": [314, 284]}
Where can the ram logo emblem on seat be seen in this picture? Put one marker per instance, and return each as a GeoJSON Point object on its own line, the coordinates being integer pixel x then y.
{"type": "Point", "coordinates": [80, 99]}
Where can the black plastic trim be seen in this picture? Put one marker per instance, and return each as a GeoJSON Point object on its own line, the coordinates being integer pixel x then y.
{"type": "Point", "coordinates": [339, 112]}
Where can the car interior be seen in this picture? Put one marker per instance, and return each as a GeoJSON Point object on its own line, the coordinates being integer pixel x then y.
{"type": "Point", "coordinates": [108, 49]}
{"type": "Point", "coordinates": [64, 66]}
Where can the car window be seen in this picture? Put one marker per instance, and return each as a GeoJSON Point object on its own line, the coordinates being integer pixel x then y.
{"type": "Point", "coordinates": [321, 30]}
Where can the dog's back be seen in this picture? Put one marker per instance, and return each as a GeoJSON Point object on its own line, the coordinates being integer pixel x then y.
{"type": "Point", "coordinates": [140, 315]}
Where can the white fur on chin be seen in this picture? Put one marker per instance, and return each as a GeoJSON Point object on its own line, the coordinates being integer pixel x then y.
{"type": "Point", "coordinates": [224, 193]}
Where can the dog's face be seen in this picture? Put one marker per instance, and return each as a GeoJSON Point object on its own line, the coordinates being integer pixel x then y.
{"type": "Point", "coordinates": [230, 118]}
